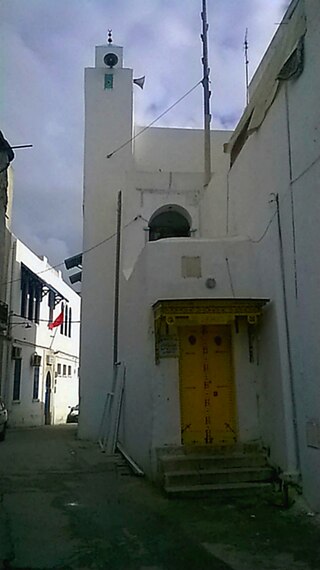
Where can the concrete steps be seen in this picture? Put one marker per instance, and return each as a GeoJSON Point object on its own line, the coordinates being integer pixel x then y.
{"type": "Point", "coordinates": [194, 471]}
{"type": "Point", "coordinates": [204, 462]}
{"type": "Point", "coordinates": [199, 490]}
{"type": "Point", "coordinates": [218, 476]}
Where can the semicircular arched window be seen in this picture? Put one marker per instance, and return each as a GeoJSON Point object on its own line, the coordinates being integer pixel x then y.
{"type": "Point", "coordinates": [167, 224]}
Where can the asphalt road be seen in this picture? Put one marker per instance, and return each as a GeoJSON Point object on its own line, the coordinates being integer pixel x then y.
{"type": "Point", "coordinates": [67, 506]}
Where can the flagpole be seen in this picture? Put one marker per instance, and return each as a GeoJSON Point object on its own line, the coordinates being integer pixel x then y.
{"type": "Point", "coordinates": [54, 336]}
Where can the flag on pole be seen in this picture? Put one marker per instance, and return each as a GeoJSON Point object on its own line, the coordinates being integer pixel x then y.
{"type": "Point", "coordinates": [57, 322]}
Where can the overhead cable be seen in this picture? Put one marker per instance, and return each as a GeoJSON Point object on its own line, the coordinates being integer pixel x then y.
{"type": "Point", "coordinates": [81, 253]}
{"type": "Point", "coordinates": [154, 121]}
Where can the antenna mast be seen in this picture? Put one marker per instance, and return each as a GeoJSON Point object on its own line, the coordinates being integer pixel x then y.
{"type": "Point", "coordinates": [206, 96]}
{"type": "Point", "coordinates": [246, 64]}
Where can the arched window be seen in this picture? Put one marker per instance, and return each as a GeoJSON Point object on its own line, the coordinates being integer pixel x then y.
{"type": "Point", "coordinates": [169, 221]}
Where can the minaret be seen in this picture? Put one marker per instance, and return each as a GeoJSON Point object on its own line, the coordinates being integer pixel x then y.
{"type": "Point", "coordinates": [108, 124]}
{"type": "Point", "coordinates": [108, 120]}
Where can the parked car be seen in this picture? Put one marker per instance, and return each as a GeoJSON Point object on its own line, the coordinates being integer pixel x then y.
{"type": "Point", "coordinates": [73, 415]}
{"type": "Point", "coordinates": [3, 420]}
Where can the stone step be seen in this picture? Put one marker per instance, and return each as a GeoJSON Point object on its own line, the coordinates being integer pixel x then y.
{"type": "Point", "coordinates": [220, 488]}
{"type": "Point", "coordinates": [186, 450]}
{"type": "Point", "coordinates": [202, 462]}
{"type": "Point", "coordinates": [218, 476]}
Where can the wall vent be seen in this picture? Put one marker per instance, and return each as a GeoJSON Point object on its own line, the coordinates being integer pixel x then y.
{"type": "Point", "coordinates": [191, 267]}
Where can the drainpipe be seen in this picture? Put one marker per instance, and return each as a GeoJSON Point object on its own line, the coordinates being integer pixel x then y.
{"type": "Point", "coordinates": [291, 191]}
{"type": "Point", "coordinates": [108, 440]}
{"type": "Point", "coordinates": [117, 282]}
{"type": "Point", "coordinates": [288, 477]}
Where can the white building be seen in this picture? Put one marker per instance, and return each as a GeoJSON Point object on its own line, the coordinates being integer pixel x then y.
{"type": "Point", "coordinates": [218, 285]}
{"type": "Point", "coordinates": [41, 368]}
{"type": "Point", "coordinates": [274, 198]}
{"type": "Point", "coordinates": [161, 178]}
{"type": "Point", "coordinates": [6, 157]}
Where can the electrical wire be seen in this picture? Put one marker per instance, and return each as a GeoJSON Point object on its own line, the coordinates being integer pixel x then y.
{"type": "Point", "coordinates": [154, 121]}
{"type": "Point", "coordinates": [294, 180]}
{"type": "Point", "coordinates": [265, 231]}
{"type": "Point", "coordinates": [109, 156]}
{"type": "Point", "coordinates": [275, 213]}
{"type": "Point", "coordinates": [81, 253]}
{"type": "Point", "coordinates": [28, 322]}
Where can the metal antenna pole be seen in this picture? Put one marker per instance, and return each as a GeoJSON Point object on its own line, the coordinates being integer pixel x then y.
{"type": "Point", "coordinates": [206, 96]}
{"type": "Point", "coordinates": [246, 64]}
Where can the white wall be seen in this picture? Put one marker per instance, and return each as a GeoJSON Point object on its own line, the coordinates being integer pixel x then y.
{"type": "Point", "coordinates": [169, 171]}
{"type": "Point", "coordinates": [108, 123]}
{"type": "Point", "coordinates": [37, 338]}
{"type": "Point", "coordinates": [152, 403]}
{"type": "Point", "coordinates": [262, 168]}
{"type": "Point", "coordinates": [164, 166]}
{"type": "Point", "coordinates": [180, 151]}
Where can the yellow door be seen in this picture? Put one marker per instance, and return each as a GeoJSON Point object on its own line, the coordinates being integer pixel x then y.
{"type": "Point", "coordinates": [206, 385]}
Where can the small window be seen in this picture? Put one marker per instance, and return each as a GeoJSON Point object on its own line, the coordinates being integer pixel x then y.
{"type": "Point", "coordinates": [62, 324]}
{"type": "Point", "coordinates": [70, 320]}
{"type": "Point", "coordinates": [64, 370]}
{"type": "Point", "coordinates": [37, 299]}
{"type": "Point", "coordinates": [36, 376]}
{"type": "Point", "coordinates": [51, 304]}
{"type": "Point", "coordinates": [168, 223]}
{"type": "Point", "coordinates": [69, 371]}
{"type": "Point", "coordinates": [31, 302]}
{"type": "Point", "coordinates": [66, 314]}
{"type": "Point", "coordinates": [59, 369]}
{"type": "Point", "coordinates": [108, 81]}
{"type": "Point", "coordinates": [17, 379]}
{"type": "Point", "coordinates": [24, 299]}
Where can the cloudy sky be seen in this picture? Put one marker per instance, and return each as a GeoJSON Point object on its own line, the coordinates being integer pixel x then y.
{"type": "Point", "coordinates": [45, 45]}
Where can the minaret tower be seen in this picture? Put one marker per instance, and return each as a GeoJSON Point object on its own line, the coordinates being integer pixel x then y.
{"type": "Point", "coordinates": [108, 120]}
{"type": "Point", "coordinates": [108, 124]}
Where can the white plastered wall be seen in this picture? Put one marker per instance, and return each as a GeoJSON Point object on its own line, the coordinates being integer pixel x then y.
{"type": "Point", "coordinates": [262, 170]}
{"type": "Point", "coordinates": [151, 411]}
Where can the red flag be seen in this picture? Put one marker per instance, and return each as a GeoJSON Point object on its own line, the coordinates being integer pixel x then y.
{"type": "Point", "coordinates": [57, 322]}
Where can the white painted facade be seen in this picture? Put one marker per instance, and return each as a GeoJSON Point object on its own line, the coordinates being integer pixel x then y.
{"type": "Point", "coordinates": [41, 368]}
{"type": "Point", "coordinates": [162, 169]}
{"type": "Point", "coordinates": [281, 158]}
{"type": "Point", "coordinates": [234, 232]}
{"type": "Point", "coordinates": [6, 178]}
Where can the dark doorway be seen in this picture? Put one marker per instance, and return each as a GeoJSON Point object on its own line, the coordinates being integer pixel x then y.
{"type": "Point", "coordinates": [47, 401]}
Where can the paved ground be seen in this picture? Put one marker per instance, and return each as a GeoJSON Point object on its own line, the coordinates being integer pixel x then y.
{"type": "Point", "coordinates": [67, 506]}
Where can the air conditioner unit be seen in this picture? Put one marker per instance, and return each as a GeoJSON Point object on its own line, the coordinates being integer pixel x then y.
{"type": "Point", "coordinates": [49, 360]}
{"type": "Point", "coordinates": [16, 352]}
{"type": "Point", "coordinates": [35, 360]}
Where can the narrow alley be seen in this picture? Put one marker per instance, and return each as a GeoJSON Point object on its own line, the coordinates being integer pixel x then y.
{"type": "Point", "coordinates": [65, 505]}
